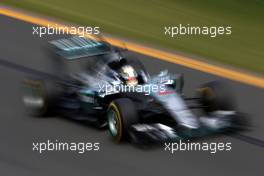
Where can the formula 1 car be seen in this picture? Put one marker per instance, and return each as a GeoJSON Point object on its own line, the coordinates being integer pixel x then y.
{"type": "Point", "coordinates": [96, 83]}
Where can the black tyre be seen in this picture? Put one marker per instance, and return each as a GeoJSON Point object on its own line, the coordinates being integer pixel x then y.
{"type": "Point", "coordinates": [121, 114]}
{"type": "Point", "coordinates": [216, 96]}
{"type": "Point", "coordinates": [40, 96]}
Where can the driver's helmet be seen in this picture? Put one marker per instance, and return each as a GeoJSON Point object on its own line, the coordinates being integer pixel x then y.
{"type": "Point", "coordinates": [129, 75]}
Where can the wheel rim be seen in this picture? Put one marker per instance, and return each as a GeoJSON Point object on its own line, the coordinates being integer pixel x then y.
{"type": "Point", "coordinates": [33, 99]}
{"type": "Point", "coordinates": [113, 123]}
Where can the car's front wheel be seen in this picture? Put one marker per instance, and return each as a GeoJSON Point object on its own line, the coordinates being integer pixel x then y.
{"type": "Point", "coordinates": [121, 115]}
{"type": "Point", "coordinates": [216, 96]}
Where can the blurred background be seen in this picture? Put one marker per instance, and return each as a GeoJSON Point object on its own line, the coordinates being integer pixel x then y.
{"type": "Point", "coordinates": [144, 21]}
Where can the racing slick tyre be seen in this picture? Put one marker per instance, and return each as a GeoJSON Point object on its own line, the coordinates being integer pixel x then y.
{"type": "Point", "coordinates": [121, 114]}
{"type": "Point", "coordinates": [216, 96]}
{"type": "Point", "coordinates": [39, 96]}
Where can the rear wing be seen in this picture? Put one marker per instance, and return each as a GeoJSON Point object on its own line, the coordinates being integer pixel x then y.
{"type": "Point", "coordinates": [77, 47]}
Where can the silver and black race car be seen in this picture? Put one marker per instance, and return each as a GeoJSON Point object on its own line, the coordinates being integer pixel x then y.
{"type": "Point", "coordinates": [96, 83]}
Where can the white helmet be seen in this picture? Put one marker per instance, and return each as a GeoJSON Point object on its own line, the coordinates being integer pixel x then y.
{"type": "Point", "coordinates": [129, 74]}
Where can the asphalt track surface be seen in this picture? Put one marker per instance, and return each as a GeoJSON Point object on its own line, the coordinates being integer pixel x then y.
{"type": "Point", "coordinates": [18, 131]}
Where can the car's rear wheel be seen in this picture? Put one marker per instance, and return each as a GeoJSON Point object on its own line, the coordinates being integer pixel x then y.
{"type": "Point", "coordinates": [39, 96]}
{"type": "Point", "coordinates": [121, 115]}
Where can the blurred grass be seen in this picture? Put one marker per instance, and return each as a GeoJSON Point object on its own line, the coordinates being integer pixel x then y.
{"type": "Point", "coordinates": [144, 21]}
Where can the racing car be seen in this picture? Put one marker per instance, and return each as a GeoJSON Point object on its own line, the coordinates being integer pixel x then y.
{"type": "Point", "coordinates": [97, 83]}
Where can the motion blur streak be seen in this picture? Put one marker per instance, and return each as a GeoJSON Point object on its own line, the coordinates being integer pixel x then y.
{"type": "Point", "coordinates": [169, 57]}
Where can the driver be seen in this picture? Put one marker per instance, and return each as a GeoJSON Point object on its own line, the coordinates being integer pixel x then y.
{"type": "Point", "coordinates": [129, 75]}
